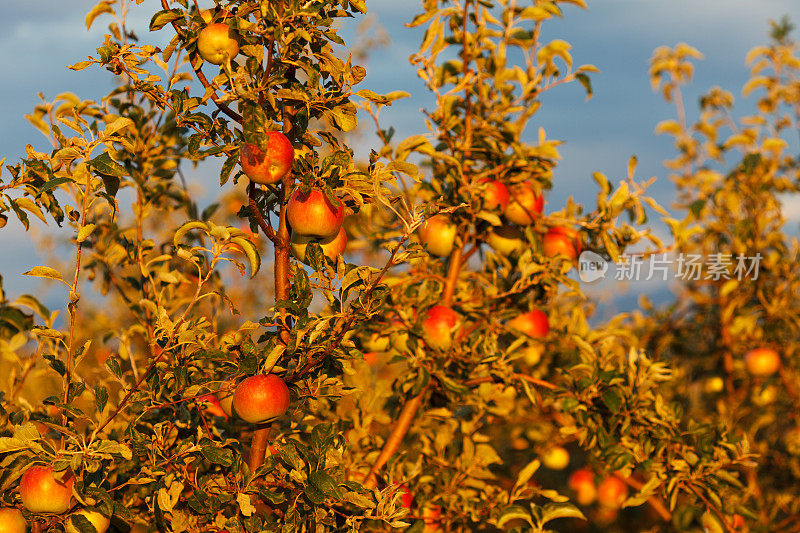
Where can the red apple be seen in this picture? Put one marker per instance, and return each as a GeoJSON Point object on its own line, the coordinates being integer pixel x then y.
{"type": "Point", "coordinates": [534, 324]}
{"type": "Point", "coordinates": [494, 195]}
{"type": "Point", "coordinates": [210, 405]}
{"type": "Point", "coordinates": [216, 43]}
{"type": "Point", "coordinates": [525, 204]}
{"type": "Point", "coordinates": [612, 492]}
{"type": "Point", "coordinates": [332, 247]}
{"type": "Point", "coordinates": [439, 234]}
{"type": "Point", "coordinates": [260, 398]}
{"type": "Point", "coordinates": [12, 521]}
{"type": "Point", "coordinates": [506, 240]}
{"type": "Point", "coordinates": [41, 492]}
{"type": "Point", "coordinates": [406, 500]}
{"type": "Point", "coordinates": [432, 518]}
{"type": "Point", "coordinates": [312, 214]}
{"type": "Point", "coordinates": [762, 362]}
{"type": "Point", "coordinates": [582, 482]}
{"type": "Point", "coordinates": [438, 325]}
{"type": "Point", "coordinates": [555, 458]}
{"type": "Point", "coordinates": [270, 166]}
{"type": "Point", "coordinates": [562, 241]}
{"type": "Point", "coordinates": [98, 520]}
{"type": "Point", "coordinates": [225, 396]}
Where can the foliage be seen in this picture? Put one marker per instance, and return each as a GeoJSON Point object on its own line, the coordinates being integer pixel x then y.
{"type": "Point", "coordinates": [168, 303]}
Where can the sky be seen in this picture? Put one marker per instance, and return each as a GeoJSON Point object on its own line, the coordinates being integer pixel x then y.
{"type": "Point", "coordinates": [40, 38]}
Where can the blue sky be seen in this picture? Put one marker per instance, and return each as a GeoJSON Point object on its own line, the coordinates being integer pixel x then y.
{"type": "Point", "coordinates": [40, 39]}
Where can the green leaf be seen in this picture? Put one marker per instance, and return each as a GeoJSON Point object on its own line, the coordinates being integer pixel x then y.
{"type": "Point", "coordinates": [612, 399]}
{"type": "Point", "coordinates": [164, 17]}
{"type": "Point", "coordinates": [552, 511]}
{"type": "Point", "coordinates": [514, 512]}
{"type": "Point", "coordinates": [100, 397]}
{"type": "Point", "coordinates": [324, 483]}
{"type": "Point", "coordinates": [586, 81]}
{"type": "Point", "coordinates": [105, 165]}
{"type": "Point", "coordinates": [220, 456]}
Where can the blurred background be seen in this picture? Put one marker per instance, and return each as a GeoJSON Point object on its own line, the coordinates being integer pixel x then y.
{"type": "Point", "coordinates": [41, 38]}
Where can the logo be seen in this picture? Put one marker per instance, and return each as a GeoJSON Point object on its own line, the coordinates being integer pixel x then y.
{"type": "Point", "coordinates": [591, 267]}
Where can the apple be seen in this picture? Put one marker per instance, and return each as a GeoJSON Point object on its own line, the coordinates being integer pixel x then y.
{"type": "Point", "coordinates": [555, 458]}
{"type": "Point", "coordinates": [210, 404]}
{"type": "Point", "coordinates": [216, 43]}
{"type": "Point", "coordinates": [562, 241]}
{"type": "Point", "coordinates": [98, 520]}
{"type": "Point", "coordinates": [270, 166]}
{"type": "Point", "coordinates": [371, 358]}
{"type": "Point", "coordinates": [12, 521]}
{"type": "Point", "coordinates": [432, 518]}
{"type": "Point", "coordinates": [506, 240]}
{"type": "Point", "coordinates": [494, 195]}
{"type": "Point", "coordinates": [225, 396]}
{"type": "Point", "coordinates": [532, 354]}
{"type": "Point", "coordinates": [713, 385]}
{"type": "Point", "coordinates": [762, 362]}
{"type": "Point", "coordinates": [313, 214]}
{"type": "Point", "coordinates": [399, 340]}
{"type": "Point", "coordinates": [438, 325]}
{"type": "Point", "coordinates": [525, 204]}
{"type": "Point", "coordinates": [612, 492]}
{"type": "Point", "coordinates": [42, 492]}
{"type": "Point", "coordinates": [534, 324]}
{"type": "Point", "coordinates": [332, 247]}
{"type": "Point", "coordinates": [376, 342]}
{"type": "Point", "coordinates": [439, 234]}
{"type": "Point", "coordinates": [582, 482]}
{"type": "Point", "coordinates": [406, 500]}
{"type": "Point", "coordinates": [260, 398]}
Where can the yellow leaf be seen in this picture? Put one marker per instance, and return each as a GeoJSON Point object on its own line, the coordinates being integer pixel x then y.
{"type": "Point", "coordinates": [668, 126]}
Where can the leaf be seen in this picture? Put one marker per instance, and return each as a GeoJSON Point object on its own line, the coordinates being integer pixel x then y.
{"type": "Point", "coordinates": [45, 272]}
{"type": "Point", "coordinates": [104, 6]}
{"type": "Point", "coordinates": [245, 505]}
{"type": "Point", "coordinates": [187, 227]}
{"type": "Point", "coordinates": [119, 124]}
{"type": "Point", "coordinates": [55, 182]}
{"type": "Point", "coordinates": [100, 397]}
{"type": "Point", "coordinates": [105, 165]}
{"type": "Point", "coordinates": [250, 250]}
{"type": "Point", "coordinates": [514, 512]}
{"type": "Point", "coordinates": [527, 473]}
{"type": "Point", "coordinates": [164, 17]}
{"type": "Point", "coordinates": [85, 232]}
{"type": "Point", "coordinates": [220, 456]}
{"type": "Point", "coordinates": [552, 511]}
{"type": "Point", "coordinates": [343, 118]}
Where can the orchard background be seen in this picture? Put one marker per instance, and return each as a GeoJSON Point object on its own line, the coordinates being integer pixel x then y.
{"type": "Point", "coordinates": [473, 415]}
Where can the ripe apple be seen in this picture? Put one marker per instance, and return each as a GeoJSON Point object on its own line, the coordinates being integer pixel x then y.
{"type": "Point", "coordinates": [225, 396]}
{"type": "Point", "coordinates": [216, 43]}
{"type": "Point", "coordinates": [494, 194]}
{"type": "Point", "coordinates": [713, 385]}
{"type": "Point", "coordinates": [12, 521]}
{"type": "Point", "coordinates": [525, 204]}
{"type": "Point", "coordinates": [562, 241]}
{"type": "Point", "coordinates": [260, 398]}
{"type": "Point", "coordinates": [270, 166]}
{"type": "Point", "coordinates": [399, 340]}
{"type": "Point", "coordinates": [532, 353]}
{"type": "Point", "coordinates": [582, 482]}
{"type": "Point", "coordinates": [371, 358]}
{"type": "Point", "coordinates": [98, 520]}
{"type": "Point", "coordinates": [41, 492]}
{"type": "Point", "coordinates": [432, 518]}
{"type": "Point", "coordinates": [210, 404]}
{"type": "Point", "coordinates": [555, 458]}
{"type": "Point", "coordinates": [406, 500]}
{"type": "Point", "coordinates": [312, 214]}
{"type": "Point", "coordinates": [612, 492]}
{"type": "Point", "coordinates": [332, 247]}
{"type": "Point", "coordinates": [762, 362]}
{"type": "Point", "coordinates": [438, 325]}
{"type": "Point", "coordinates": [376, 342]}
{"type": "Point", "coordinates": [439, 234]}
{"type": "Point", "coordinates": [506, 240]}
{"type": "Point", "coordinates": [534, 324]}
